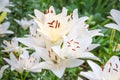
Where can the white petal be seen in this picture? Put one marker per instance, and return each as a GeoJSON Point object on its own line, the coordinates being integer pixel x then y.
{"type": "Point", "coordinates": [38, 67]}
{"type": "Point", "coordinates": [96, 68]}
{"type": "Point", "coordinates": [116, 15]}
{"type": "Point", "coordinates": [56, 49]}
{"type": "Point", "coordinates": [24, 55]}
{"type": "Point", "coordinates": [73, 62]}
{"type": "Point", "coordinates": [18, 21]}
{"type": "Point", "coordinates": [9, 32]}
{"type": "Point", "coordinates": [2, 70]}
{"type": "Point", "coordinates": [83, 19]}
{"type": "Point", "coordinates": [27, 41]}
{"type": "Point", "coordinates": [89, 75]}
{"type": "Point", "coordinates": [58, 71]}
{"type": "Point", "coordinates": [52, 9]}
{"type": "Point", "coordinates": [89, 56]}
{"type": "Point", "coordinates": [39, 15]}
{"type": "Point", "coordinates": [64, 12]}
{"type": "Point", "coordinates": [113, 25]}
{"type": "Point", "coordinates": [92, 46]}
{"type": "Point", "coordinates": [43, 53]}
{"type": "Point", "coordinates": [75, 14]}
{"type": "Point", "coordinates": [6, 25]}
{"type": "Point", "coordinates": [13, 58]}
{"type": "Point", "coordinates": [95, 32]}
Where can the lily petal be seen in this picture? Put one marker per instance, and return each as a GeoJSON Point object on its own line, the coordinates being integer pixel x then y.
{"type": "Point", "coordinates": [116, 15]}
{"type": "Point", "coordinates": [113, 25]}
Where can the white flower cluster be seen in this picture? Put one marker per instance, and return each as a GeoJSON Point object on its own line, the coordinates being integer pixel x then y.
{"type": "Point", "coordinates": [61, 40]}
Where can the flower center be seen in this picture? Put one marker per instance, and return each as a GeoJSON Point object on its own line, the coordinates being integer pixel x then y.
{"type": "Point", "coordinates": [73, 44]}
{"type": "Point", "coordinates": [52, 55]}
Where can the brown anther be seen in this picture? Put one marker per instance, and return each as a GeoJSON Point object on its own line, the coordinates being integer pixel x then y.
{"type": "Point", "coordinates": [102, 67]}
{"type": "Point", "coordinates": [115, 70]}
{"type": "Point", "coordinates": [36, 31]}
{"type": "Point", "coordinates": [109, 70]}
{"type": "Point", "coordinates": [51, 22]}
{"type": "Point", "coordinates": [71, 40]}
{"type": "Point", "coordinates": [49, 54]}
{"type": "Point", "coordinates": [55, 57]}
{"type": "Point", "coordinates": [52, 50]}
{"type": "Point", "coordinates": [51, 11]}
{"type": "Point", "coordinates": [73, 49]}
{"type": "Point", "coordinates": [56, 24]}
{"type": "Point", "coordinates": [69, 45]}
{"type": "Point", "coordinates": [45, 12]}
{"type": "Point", "coordinates": [116, 65]}
{"type": "Point", "coordinates": [76, 42]}
{"type": "Point", "coordinates": [35, 36]}
{"type": "Point", "coordinates": [33, 61]}
{"type": "Point", "coordinates": [68, 42]}
{"type": "Point", "coordinates": [110, 64]}
{"type": "Point", "coordinates": [78, 47]}
{"type": "Point", "coordinates": [51, 26]}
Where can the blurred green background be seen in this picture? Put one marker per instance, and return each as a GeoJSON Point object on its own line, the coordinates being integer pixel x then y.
{"type": "Point", "coordinates": [96, 10]}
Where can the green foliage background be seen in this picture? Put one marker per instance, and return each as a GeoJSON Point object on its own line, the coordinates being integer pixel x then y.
{"type": "Point", "coordinates": [96, 10]}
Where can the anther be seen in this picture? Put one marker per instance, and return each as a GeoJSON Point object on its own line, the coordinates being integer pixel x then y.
{"type": "Point", "coordinates": [51, 11]}
{"type": "Point", "coordinates": [116, 65]}
{"type": "Point", "coordinates": [68, 42]}
{"type": "Point", "coordinates": [69, 45]}
{"type": "Point", "coordinates": [73, 49]}
{"type": "Point", "coordinates": [110, 64]}
{"type": "Point", "coordinates": [115, 70]}
{"type": "Point", "coordinates": [76, 42]}
{"type": "Point", "coordinates": [55, 57]}
{"type": "Point", "coordinates": [71, 40]}
{"type": "Point", "coordinates": [78, 47]}
{"type": "Point", "coordinates": [109, 70]}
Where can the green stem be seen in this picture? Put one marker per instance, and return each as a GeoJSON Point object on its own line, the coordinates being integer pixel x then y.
{"type": "Point", "coordinates": [21, 76]}
{"type": "Point", "coordinates": [27, 72]}
{"type": "Point", "coordinates": [111, 40]}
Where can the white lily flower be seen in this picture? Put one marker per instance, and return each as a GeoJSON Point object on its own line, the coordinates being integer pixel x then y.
{"type": "Point", "coordinates": [53, 26]}
{"type": "Point", "coordinates": [55, 63]}
{"type": "Point", "coordinates": [4, 4]}
{"type": "Point", "coordinates": [25, 62]}
{"type": "Point", "coordinates": [24, 23]}
{"type": "Point", "coordinates": [111, 70]}
{"type": "Point", "coordinates": [2, 70]}
{"type": "Point", "coordinates": [78, 43]}
{"type": "Point", "coordinates": [75, 48]}
{"type": "Point", "coordinates": [4, 29]}
{"type": "Point", "coordinates": [15, 63]}
{"type": "Point", "coordinates": [116, 17]}
{"type": "Point", "coordinates": [34, 39]}
{"type": "Point", "coordinates": [11, 46]}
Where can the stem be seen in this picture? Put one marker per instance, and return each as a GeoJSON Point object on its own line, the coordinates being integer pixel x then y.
{"type": "Point", "coordinates": [27, 72]}
{"type": "Point", "coordinates": [21, 76]}
{"type": "Point", "coordinates": [111, 40]}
